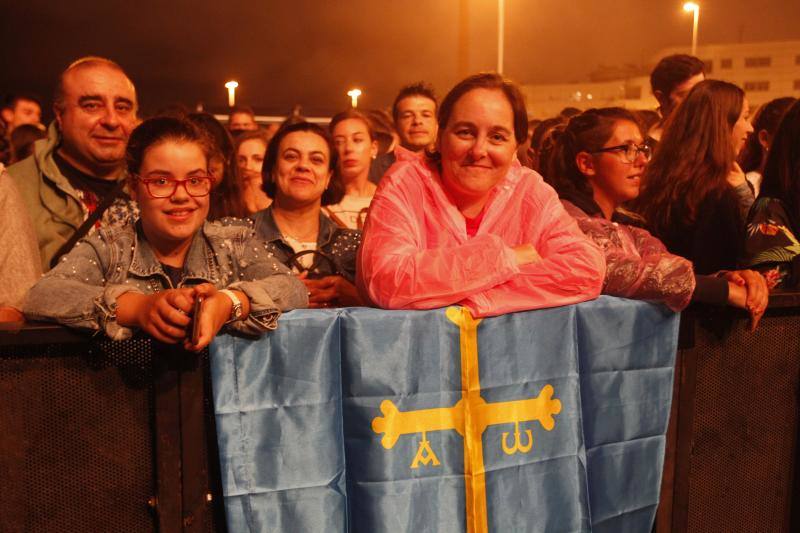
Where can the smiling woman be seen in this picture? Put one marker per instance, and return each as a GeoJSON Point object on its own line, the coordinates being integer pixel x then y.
{"type": "Point", "coordinates": [470, 225]}
{"type": "Point", "coordinates": [149, 274]}
{"type": "Point", "coordinates": [299, 176]}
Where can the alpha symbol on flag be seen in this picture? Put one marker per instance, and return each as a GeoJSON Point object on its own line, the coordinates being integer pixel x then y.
{"type": "Point", "coordinates": [425, 453]}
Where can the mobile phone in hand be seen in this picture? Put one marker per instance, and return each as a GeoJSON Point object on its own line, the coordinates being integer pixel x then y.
{"type": "Point", "coordinates": [198, 305]}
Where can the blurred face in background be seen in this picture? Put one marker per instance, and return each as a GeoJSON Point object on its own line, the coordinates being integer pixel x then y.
{"type": "Point", "coordinates": [24, 111]}
{"type": "Point", "coordinates": [416, 122]}
{"type": "Point", "coordinates": [742, 129]}
{"type": "Point", "coordinates": [240, 122]}
{"type": "Point", "coordinates": [356, 148]}
{"type": "Point", "coordinates": [250, 155]}
{"type": "Point", "coordinates": [679, 93]}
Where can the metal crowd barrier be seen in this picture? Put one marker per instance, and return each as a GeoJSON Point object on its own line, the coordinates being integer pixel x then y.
{"type": "Point", "coordinates": [103, 436]}
{"type": "Point", "coordinates": [733, 460]}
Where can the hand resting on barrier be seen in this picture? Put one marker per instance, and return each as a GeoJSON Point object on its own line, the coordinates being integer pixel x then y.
{"type": "Point", "coordinates": [747, 289]}
{"type": "Point", "coordinates": [166, 315]}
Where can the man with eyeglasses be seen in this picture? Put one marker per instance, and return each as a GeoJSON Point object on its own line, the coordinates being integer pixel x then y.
{"type": "Point", "coordinates": [80, 166]}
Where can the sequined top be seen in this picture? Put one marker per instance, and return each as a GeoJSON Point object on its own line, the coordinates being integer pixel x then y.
{"type": "Point", "coordinates": [339, 244]}
{"type": "Point", "coordinates": [82, 290]}
{"type": "Point", "coordinates": [638, 265]}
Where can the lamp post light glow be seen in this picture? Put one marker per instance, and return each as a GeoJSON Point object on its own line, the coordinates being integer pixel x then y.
{"type": "Point", "coordinates": [695, 8]}
{"type": "Point", "coordinates": [354, 94]}
{"type": "Point", "coordinates": [501, 31]}
{"type": "Point", "coordinates": [231, 86]}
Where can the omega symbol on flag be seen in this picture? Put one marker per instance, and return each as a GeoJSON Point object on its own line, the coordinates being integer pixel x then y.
{"type": "Point", "coordinates": [469, 417]}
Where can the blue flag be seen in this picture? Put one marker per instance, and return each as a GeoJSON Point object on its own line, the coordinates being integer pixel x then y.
{"type": "Point", "coordinates": [367, 420]}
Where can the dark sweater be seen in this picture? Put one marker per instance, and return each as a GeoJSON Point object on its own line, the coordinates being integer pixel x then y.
{"type": "Point", "coordinates": [714, 242]}
{"type": "Point", "coordinates": [716, 239]}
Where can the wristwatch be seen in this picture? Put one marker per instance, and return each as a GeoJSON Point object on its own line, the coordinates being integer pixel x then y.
{"type": "Point", "coordinates": [236, 309]}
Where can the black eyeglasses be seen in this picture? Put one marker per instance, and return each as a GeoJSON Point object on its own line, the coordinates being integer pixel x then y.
{"type": "Point", "coordinates": [629, 151]}
{"type": "Point", "coordinates": [162, 187]}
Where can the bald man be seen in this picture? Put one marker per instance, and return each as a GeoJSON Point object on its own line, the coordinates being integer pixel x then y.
{"type": "Point", "coordinates": [83, 158]}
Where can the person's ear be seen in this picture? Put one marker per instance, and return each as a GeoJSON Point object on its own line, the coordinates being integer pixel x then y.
{"type": "Point", "coordinates": [373, 151]}
{"type": "Point", "coordinates": [132, 191]}
{"type": "Point", "coordinates": [764, 139]}
{"type": "Point", "coordinates": [57, 111]}
{"type": "Point", "coordinates": [585, 163]}
{"type": "Point", "coordinates": [7, 115]}
{"type": "Point", "coordinates": [659, 96]}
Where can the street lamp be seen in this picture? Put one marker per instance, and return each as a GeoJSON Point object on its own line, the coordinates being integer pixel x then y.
{"type": "Point", "coordinates": [231, 86]}
{"type": "Point", "coordinates": [501, 19]}
{"type": "Point", "coordinates": [354, 94]}
{"type": "Point", "coordinates": [695, 8]}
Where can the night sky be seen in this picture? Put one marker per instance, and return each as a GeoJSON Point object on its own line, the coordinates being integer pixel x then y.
{"type": "Point", "coordinates": [310, 52]}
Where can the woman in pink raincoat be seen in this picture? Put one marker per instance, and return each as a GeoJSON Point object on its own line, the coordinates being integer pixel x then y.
{"type": "Point", "coordinates": [471, 226]}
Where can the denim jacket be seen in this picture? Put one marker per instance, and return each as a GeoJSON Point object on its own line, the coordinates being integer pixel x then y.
{"type": "Point", "coordinates": [340, 244]}
{"type": "Point", "coordinates": [83, 289]}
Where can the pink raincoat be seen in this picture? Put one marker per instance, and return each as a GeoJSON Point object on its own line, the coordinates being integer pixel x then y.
{"type": "Point", "coordinates": [416, 253]}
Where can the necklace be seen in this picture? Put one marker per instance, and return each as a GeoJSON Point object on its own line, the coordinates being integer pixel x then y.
{"type": "Point", "coordinates": [309, 238]}
{"type": "Point", "coordinates": [307, 222]}
{"type": "Point", "coordinates": [302, 236]}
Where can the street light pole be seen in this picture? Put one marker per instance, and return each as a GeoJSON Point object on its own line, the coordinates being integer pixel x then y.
{"type": "Point", "coordinates": [695, 8]}
{"type": "Point", "coordinates": [354, 94]}
{"type": "Point", "coordinates": [501, 19]}
{"type": "Point", "coordinates": [231, 86]}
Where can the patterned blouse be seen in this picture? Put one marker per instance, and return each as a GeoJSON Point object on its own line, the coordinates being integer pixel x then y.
{"type": "Point", "coordinates": [771, 246]}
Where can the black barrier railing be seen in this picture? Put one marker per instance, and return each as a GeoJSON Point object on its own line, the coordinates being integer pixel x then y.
{"type": "Point", "coordinates": [98, 435]}
{"type": "Point", "coordinates": [732, 460]}
{"type": "Point", "coordinates": [107, 436]}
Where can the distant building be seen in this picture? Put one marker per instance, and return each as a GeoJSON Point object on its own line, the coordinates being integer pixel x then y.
{"type": "Point", "coordinates": [764, 70]}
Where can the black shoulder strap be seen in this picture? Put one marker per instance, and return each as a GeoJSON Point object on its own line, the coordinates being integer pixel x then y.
{"type": "Point", "coordinates": [88, 223]}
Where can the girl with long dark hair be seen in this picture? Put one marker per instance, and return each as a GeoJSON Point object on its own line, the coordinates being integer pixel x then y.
{"type": "Point", "coordinates": [596, 168]}
{"type": "Point", "coordinates": [694, 193]}
{"type": "Point", "coordinates": [754, 155]}
{"type": "Point", "coordinates": [774, 223]}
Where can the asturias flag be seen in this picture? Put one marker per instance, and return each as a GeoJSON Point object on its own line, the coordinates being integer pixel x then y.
{"type": "Point", "coordinates": [367, 420]}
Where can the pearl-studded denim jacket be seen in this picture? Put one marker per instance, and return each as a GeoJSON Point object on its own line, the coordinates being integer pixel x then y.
{"type": "Point", "coordinates": [82, 290]}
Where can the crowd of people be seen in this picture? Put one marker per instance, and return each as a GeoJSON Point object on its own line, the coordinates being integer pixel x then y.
{"type": "Point", "coordinates": [179, 226]}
